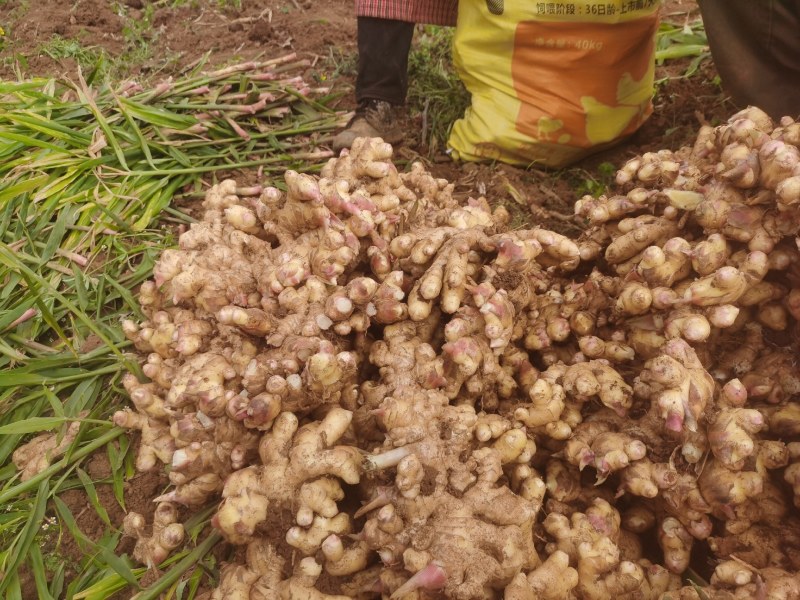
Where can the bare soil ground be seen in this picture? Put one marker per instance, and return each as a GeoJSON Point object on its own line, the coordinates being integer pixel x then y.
{"type": "Point", "coordinates": [152, 40]}
{"type": "Point", "coordinates": [169, 35]}
{"type": "Point", "coordinates": [155, 39]}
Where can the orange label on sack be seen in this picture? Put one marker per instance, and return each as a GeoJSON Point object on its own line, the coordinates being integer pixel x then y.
{"type": "Point", "coordinates": [552, 81]}
{"type": "Point", "coordinates": [582, 84]}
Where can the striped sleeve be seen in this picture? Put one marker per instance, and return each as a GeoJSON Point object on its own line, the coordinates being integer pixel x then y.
{"type": "Point", "coordinates": [435, 12]}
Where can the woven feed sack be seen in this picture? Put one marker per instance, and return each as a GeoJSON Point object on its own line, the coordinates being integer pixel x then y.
{"type": "Point", "coordinates": [552, 82]}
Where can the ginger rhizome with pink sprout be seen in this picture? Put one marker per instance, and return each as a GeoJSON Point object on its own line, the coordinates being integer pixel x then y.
{"type": "Point", "coordinates": [396, 395]}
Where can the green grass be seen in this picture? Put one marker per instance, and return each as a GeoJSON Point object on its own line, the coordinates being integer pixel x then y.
{"type": "Point", "coordinates": [87, 179]}
{"type": "Point", "coordinates": [435, 92]}
{"type": "Point", "coordinates": [594, 184]}
{"type": "Point", "coordinates": [59, 48]}
{"type": "Point", "coordinates": [676, 42]}
{"type": "Point", "coordinates": [9, 58]}
{"type": "Point", "coordinates": [340, 64]}
{"type": "Point", "coordinates": [436, 95]}
{"type": "Point", "coordinates": [140, 36]}
{"type": "Point", "coordinates": [88, 58]}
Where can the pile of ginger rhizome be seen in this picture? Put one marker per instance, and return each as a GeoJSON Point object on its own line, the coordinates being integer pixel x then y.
{"type": "Point", "coordinates": [397, 396]}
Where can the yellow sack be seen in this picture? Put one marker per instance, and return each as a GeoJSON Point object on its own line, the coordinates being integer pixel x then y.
{"type": "Point", "coordinates": [552, 82]}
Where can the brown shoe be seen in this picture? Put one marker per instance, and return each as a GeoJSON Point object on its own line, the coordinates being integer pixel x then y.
{"type": "Point", "coordinates": [375, 118]}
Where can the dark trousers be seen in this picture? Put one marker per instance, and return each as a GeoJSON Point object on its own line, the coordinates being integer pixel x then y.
{"type": "Point", "coordinates": [383, 47]}
{"type": "Point", "coordinates": [756, 49]}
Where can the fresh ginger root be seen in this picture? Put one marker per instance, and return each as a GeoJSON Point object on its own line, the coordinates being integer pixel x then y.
{"type": "Point", "coordinates": [736, 580]}
{"type": "Point", "coordinates": [494, 528]}
{"type": "Point", "coordinates": [263, 577]}
{"type": "Point", "coordinates": [599, 444]}
{"type": "Point", "coordinates": [762, 545]}
{"type": "Point", "coordinates": [293, 457]}
{"type": "Point", "coordinates": [156, 444]}
{"type": "Point", "coordinates": [650, 168]}
{"type": "Point", "coordinates": [663, 266]}
{"type": "Point", "coordinates": [677, 385]}
{"type": "Point", "coordinates": [546, 407]}
{"type": "Point", "coordinates": [647, 479]}
{"type": "Point", "coordinates": [730, 435]}
{"type": "Point", "coordinates": [601, 574]}
{"type": "Point", "coordinates": [584, 381]}
{"type": "Point", "coordinates": [590, 541]}
{"type": "Point", "coordinates": [638, 234]}
{"type": "Point", "coordinates": [676, 544]}
{"type": "Point", "coordinates": [792, 473]}
{"type": "Point", "coordinates": [604, 209]}
{"type": "Point", "coordinates": [35, 456]}
{"type": "Point", "coordinates": [599, 521]}
{"type": "Point", "coordinates": [167, 534]}
{"type": "Point", "coordinates": [366, 338]}
{"type": "Point", "coordinates": [552, 580]}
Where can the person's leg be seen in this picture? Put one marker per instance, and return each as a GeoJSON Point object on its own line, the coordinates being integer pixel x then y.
{"type": "Point", "coordinates": [383, 47]}
{"type": "Point", "coordinates": [382, 80]}
{"type": "Point", "coordinates": [755, 45]}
